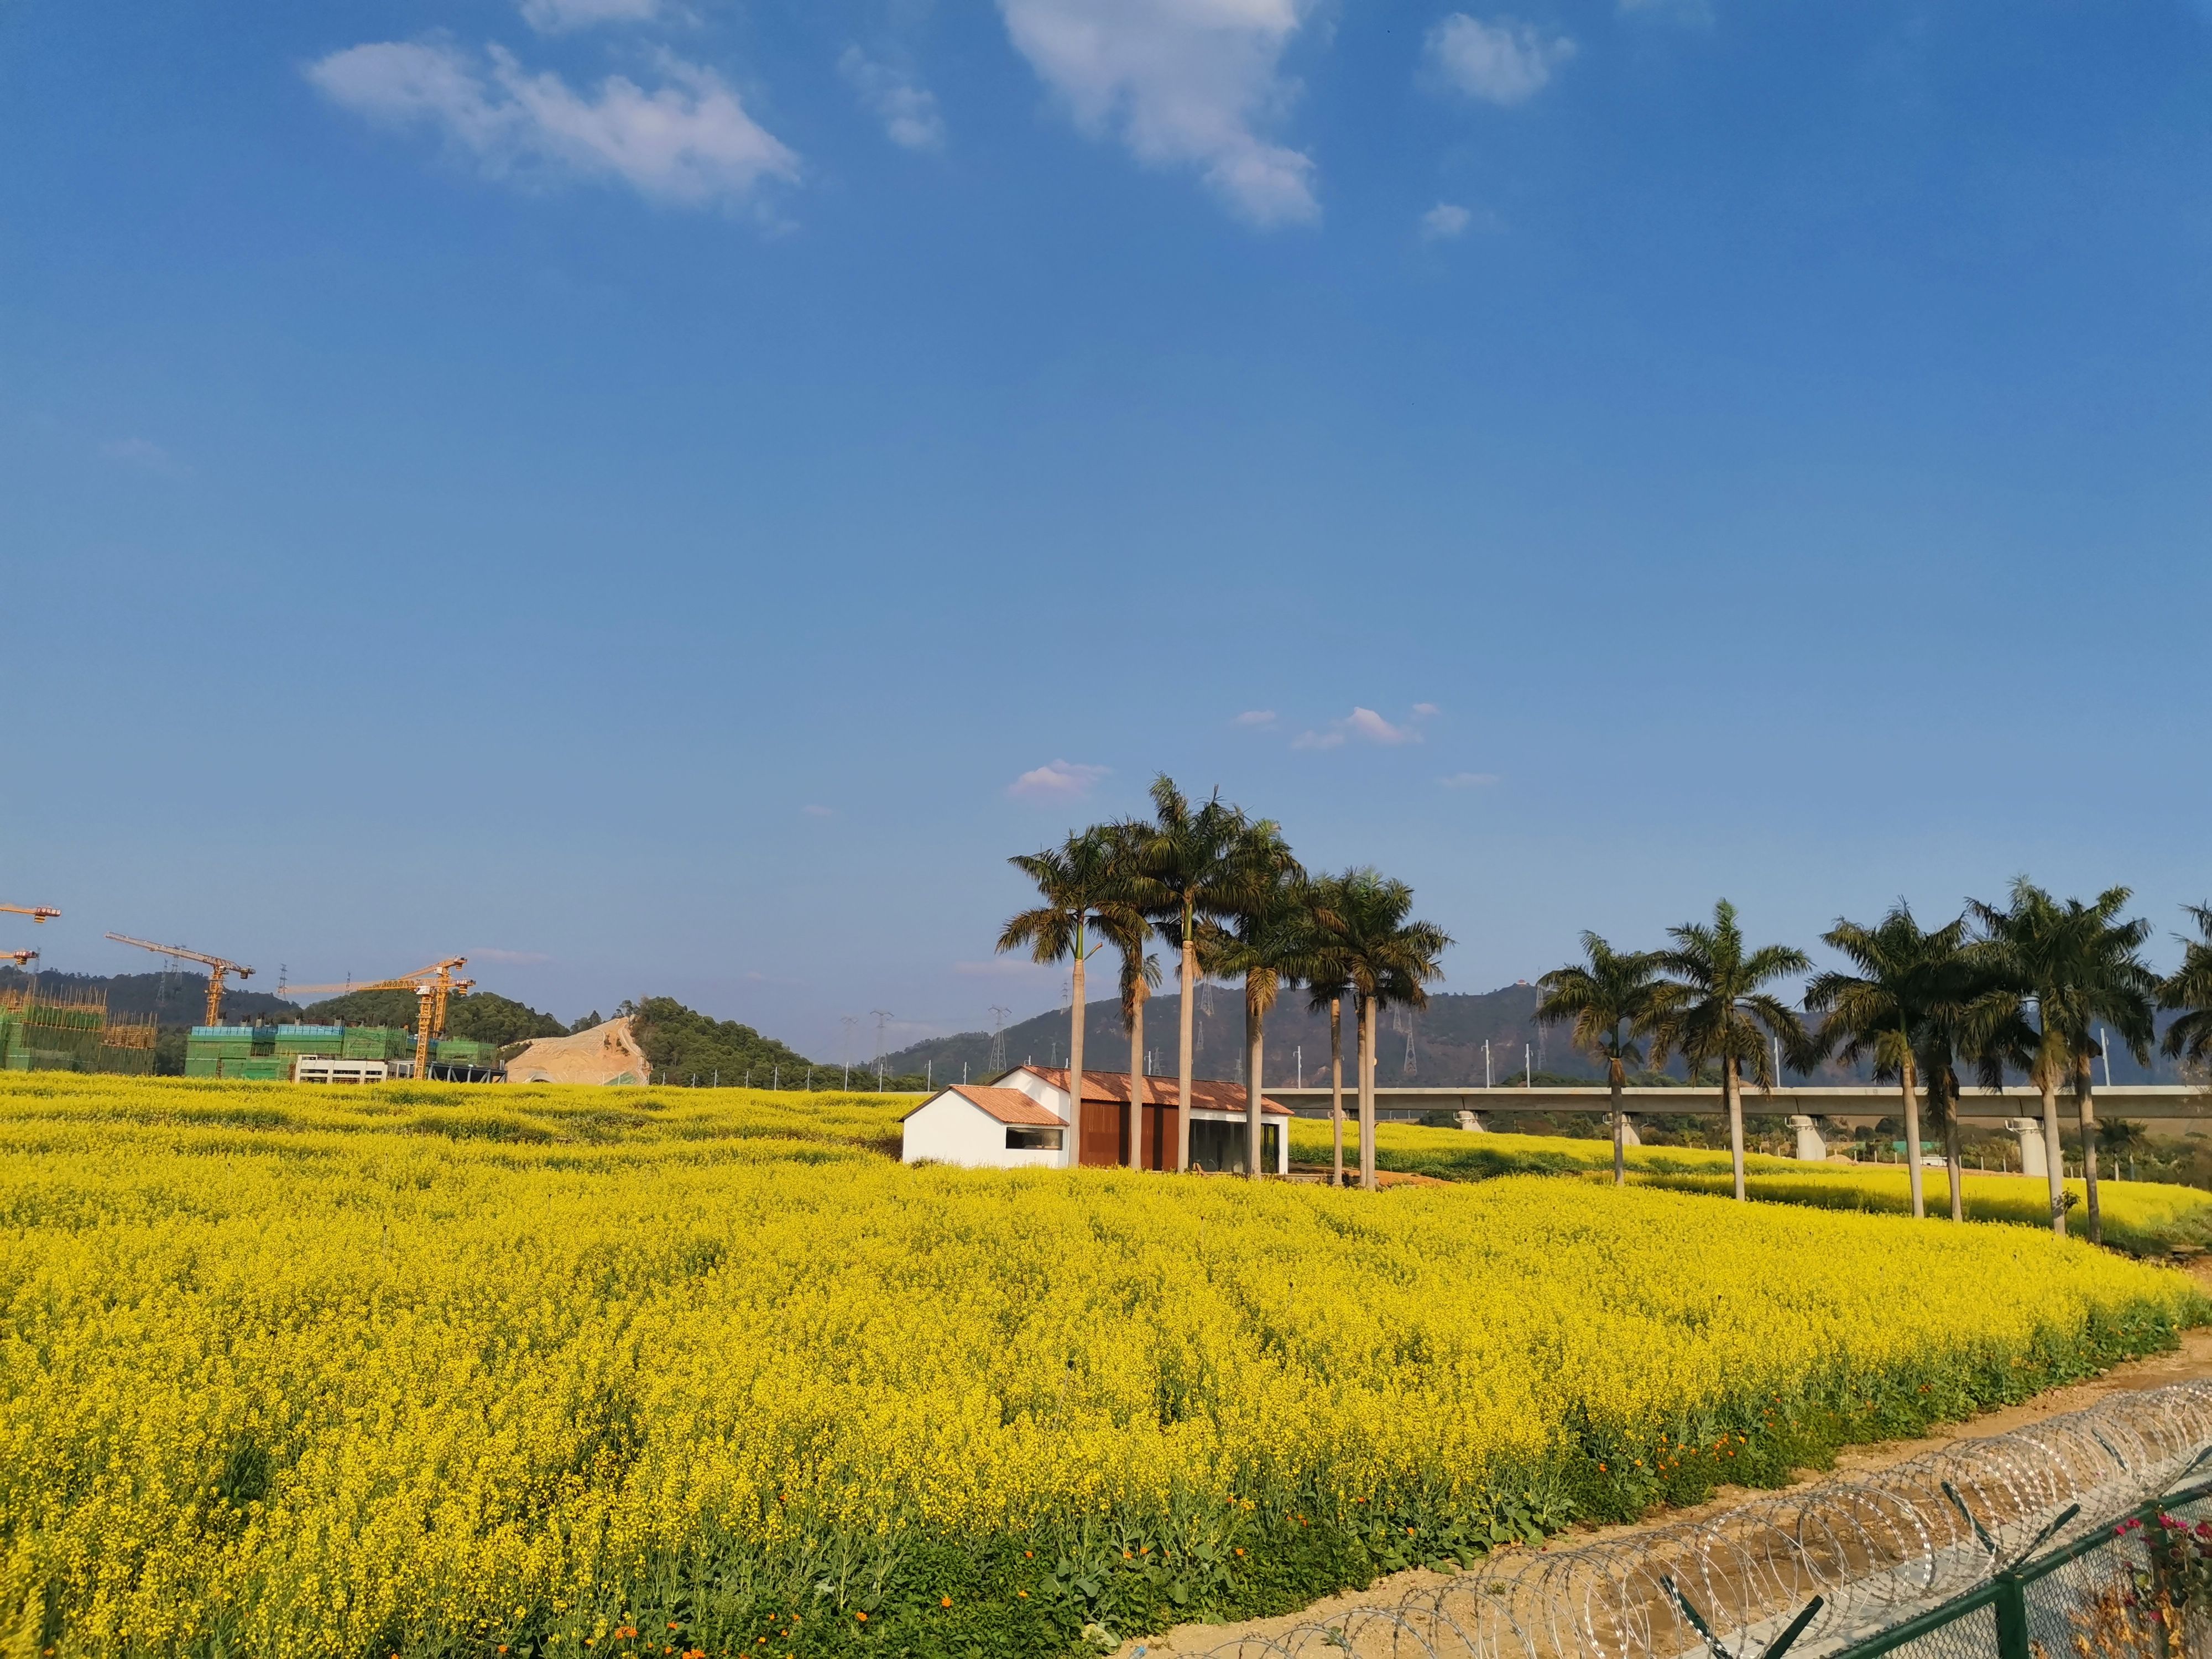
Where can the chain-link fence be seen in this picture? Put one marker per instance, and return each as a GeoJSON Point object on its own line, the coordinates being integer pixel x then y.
{"type": "Point", "coordinates": [2071, 1539]}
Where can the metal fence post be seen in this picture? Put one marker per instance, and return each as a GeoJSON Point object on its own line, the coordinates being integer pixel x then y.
{"type": "Point", "coordinates": [2011, 1607]}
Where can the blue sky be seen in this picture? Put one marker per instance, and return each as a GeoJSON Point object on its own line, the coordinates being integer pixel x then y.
{"type": "Point", "coordinates": [632, 489]}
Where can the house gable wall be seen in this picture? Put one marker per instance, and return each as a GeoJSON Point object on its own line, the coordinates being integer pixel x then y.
{"type": "Point", "coordinates": [951, 1129]}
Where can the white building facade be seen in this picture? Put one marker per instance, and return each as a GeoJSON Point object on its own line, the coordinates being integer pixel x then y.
{"type": "Point", "coordinates": [1027, 1120]}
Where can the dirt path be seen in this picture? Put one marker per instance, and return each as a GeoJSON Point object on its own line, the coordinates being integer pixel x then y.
{"type": "Point", "coordinates": [2193, 1359]}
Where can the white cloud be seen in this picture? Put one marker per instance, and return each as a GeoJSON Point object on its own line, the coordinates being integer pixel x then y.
{"type": "Point", "coordinates": [1364, 724]}
{"type": "Point", "coordinates": [1443, 222]}
{"type": "Point", "coordinates": [688, 141]}
{"type": "Point", "coordinates": [907, 111]}
{"type": "Point", "coordinates": [1256, 717]}
{"type": "Point", "coordinates": [558, 16]}
{"type": "Point", "coordinates": [1423, 710]}
{"type": "Point", "coordinates": [1468, 779]}
{"type": "Point", "coordinates": [1367, 724]}
{"type": "Point", "coordinates": [1061, 780]}
{"type": "Point", "coordinates": [147, 455]}
{"type": "Point", "coordinates": [1182, 83]}
{"type": "Point", "coordinates": [1503, 62]}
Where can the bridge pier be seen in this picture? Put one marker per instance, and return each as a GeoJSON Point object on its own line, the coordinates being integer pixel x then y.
{"type": "Point", "coordinates": [1811, 1149]}
{"type": "Point", "coordinates": [2029, 1132]}
{"type": "Point", "coordinates": [1470, 1122]}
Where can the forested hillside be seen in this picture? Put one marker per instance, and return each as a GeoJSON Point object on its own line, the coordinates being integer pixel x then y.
{"type": "Point", "coordinates": [481, 1016]}
{"type": "Point", "coordinates": [178, 999]}
{"type": "Point", "coordinates": [684, 1043]}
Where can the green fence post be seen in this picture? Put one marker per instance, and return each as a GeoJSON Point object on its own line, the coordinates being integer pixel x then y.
{"type": "Point", "coordinates": [2012, 1617]}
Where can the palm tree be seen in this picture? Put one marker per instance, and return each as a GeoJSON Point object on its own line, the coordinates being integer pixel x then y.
{"type": "Point", "coordinates": [1188, 856]}
{"type": "Point", "coordinates": [2189, 989]}
{"type": "Point", "coordinates": [2026, 941]}
{"type": "Point", "coordinates": [1612, 1000]}
{"type": "Point", "coordinates": [1714, 1009]}
{"type": "Point", "coordinates": [1079, 882]}
{"type": "Point", "coordinates": [2086, 971]}
{"type": "Point", "coordinates": [1943, 1040]}
{"type": "Point", "coordinates": [1366, 942]}
{"type": "Point", "coordinates": [1125, 921]}
{"type": "Point", "coordinates": [1141, 972]}
{"type": "Point", "coordinates": [1328, 978]}
{"type": "Point", "coordinates": [1269, 944]}
{"type": "Point", "coordinates": [1877, 1013]}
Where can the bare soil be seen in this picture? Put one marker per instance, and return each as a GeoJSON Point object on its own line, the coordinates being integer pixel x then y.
{"type": "Point", "coordinates": [2193, 1359]}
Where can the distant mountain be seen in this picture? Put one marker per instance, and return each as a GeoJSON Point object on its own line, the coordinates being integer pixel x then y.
{"type": "Point", "coordinates": [1445, 1039]}
{"type": "Point", "coordinates": [1440, 1046]}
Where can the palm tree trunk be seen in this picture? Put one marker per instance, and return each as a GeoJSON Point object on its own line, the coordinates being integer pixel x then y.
{"type": "Point", "coordinates": [1255, 1136]}
{"type": "Point", "coordinates": [2054, 1163]}
{"type": "Point", "coordinates": [1336, 1089]}
{"type": "Point", "coordinates": [1367, 1093]}
{"type": "Point", "coordinates": [1617, 1077]}
{"type": "Point", "coordinates": [1953, 1164]}
{"type": "Point", "coordinates": [1188, 978]}
{"type": "Point", "coordinates": [1133, 1130]}
{"type": "Point", "coordinates": [1909, 1085]}
{"type": "Point", "coordinates": [1732, 1087]}
{"type": "Point", "coordinates": [1075, 1058]}
{"type": "Point", "coordinates": [2085, 1107]}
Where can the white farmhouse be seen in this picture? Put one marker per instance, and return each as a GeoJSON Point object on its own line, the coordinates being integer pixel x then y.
{"type": "Point", "coordinates": [1025, 1119]}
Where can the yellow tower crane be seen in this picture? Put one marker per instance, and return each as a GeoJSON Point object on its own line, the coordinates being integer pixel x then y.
{"type": "Point", "coordinates": [37, 913]}
{"type": "Point", "coordinates": [219, 968]}
{"type": "Point", "coordinates": [433, 987]}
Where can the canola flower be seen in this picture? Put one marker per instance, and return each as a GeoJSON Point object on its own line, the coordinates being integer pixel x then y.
{"type": "Point", "coordinates": [301, 1372]}
{"type": "Point", "coordinates": [1456, 1154]}
{"type": "Point", "coordinates": [2143, 1218]}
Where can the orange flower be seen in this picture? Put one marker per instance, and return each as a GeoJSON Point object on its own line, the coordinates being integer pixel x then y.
{"type": "Point", "coordinates": [1025, 1595]}
{"type": "Point", "coordinates": [862, 1617]}
{"type": "Point", "coordinates": [1240, 1549]}
{"type": "Point", "coordinates": [946, 1602]}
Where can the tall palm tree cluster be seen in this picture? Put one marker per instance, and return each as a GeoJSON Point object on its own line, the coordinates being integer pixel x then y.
{"type": "Point", "coordinates": [1222, 890]}
{"type": "Point", "coordinates": [2027, 988]}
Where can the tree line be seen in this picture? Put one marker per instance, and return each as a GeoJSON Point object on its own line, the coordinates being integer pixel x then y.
{"type": "Point", "coordinates": [2027, 987]}
{"type": "Point", "coordinates": [2022, 987]}
{"type": "Point", "coordinates": [1224, 891]}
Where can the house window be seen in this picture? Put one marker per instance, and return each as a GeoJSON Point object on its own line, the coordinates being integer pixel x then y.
{"type": "Point", "coordinates": [1219, 1148]}
{"type": "Point", "coordinates": [1032, 1140]}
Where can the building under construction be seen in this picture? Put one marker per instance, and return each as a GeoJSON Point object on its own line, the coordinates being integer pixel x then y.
{"type": "Point", "coordinates": [71, 1032]}
{"type": "Point", "coordinates": [354, 1054]}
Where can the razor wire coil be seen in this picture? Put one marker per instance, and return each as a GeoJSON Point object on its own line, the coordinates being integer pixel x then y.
{"type": "Point", "coordinates": [1875, 1547]}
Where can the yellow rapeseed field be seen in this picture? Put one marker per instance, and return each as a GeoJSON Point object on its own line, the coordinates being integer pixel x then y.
{"type": "Point", "coordinates": [2145, 1218]}
{"type": "Point", "coordinates": [1426, 1149]}
{"type": "Point", "coordinates": [447, 1371]}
